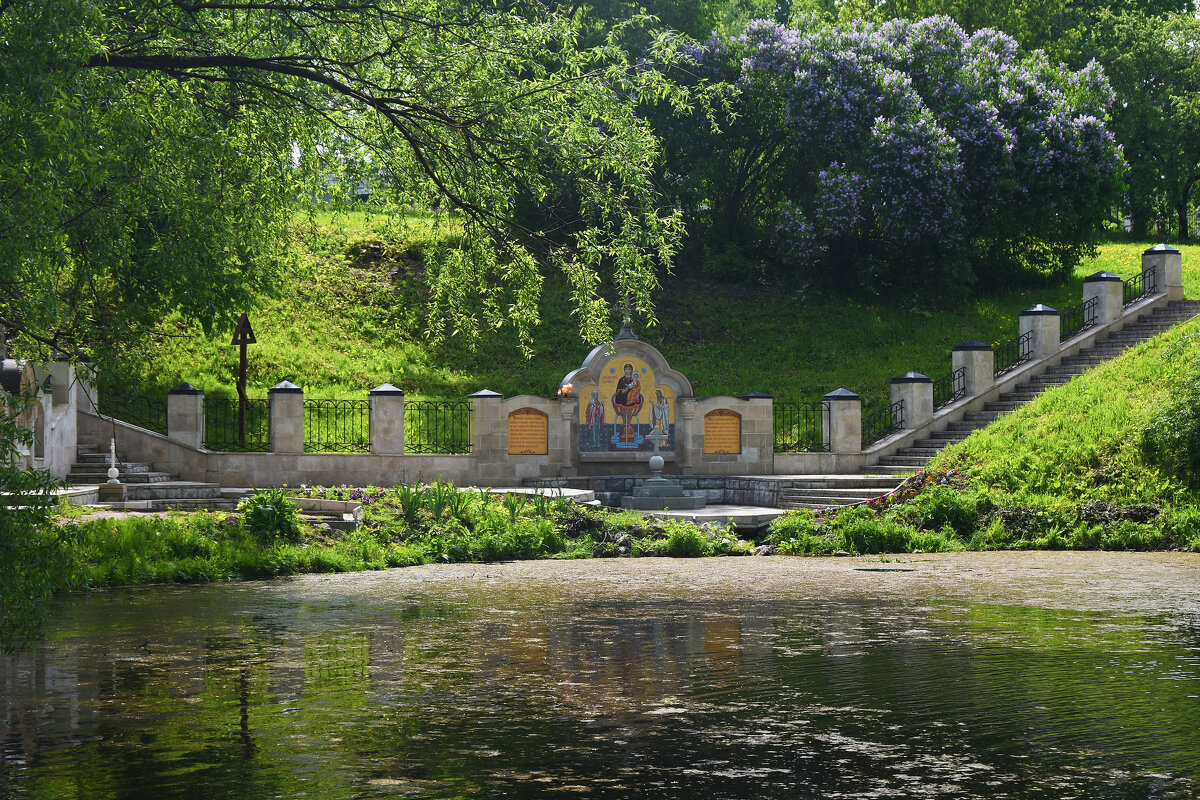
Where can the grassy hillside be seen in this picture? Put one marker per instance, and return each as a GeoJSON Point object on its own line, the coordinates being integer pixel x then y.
{"type": "Point", "coordinates": [354, 317]}
{"type": "Point", "coordinates": [1071, 469]}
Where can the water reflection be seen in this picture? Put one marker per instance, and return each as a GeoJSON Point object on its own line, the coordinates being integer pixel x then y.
{"type": "Point", "coordinates": [1070, 675]}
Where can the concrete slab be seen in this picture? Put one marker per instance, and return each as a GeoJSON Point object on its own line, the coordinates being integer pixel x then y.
{"type": "Point", "coordinates": [751, 518]}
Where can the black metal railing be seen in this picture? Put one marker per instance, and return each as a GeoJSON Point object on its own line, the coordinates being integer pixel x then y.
{"type": "Point", "coordinates": [222, 431]}
{"type": "Point", "coordinates": [949, 388]}
{"type": "Point", "coordinates": [884, 422]}
{"type": "Point", "coordinates": [1077, 319]}
{"type": "Point", "coordinates": [1139, 286]}
{"type": "Point", "coordinates": [1013, 353]}
{"type": "Point", "coordinates": [337, 426]}
{"type": "Point", "coordinates": [437, 426]}
{"type": "Point", "coordinates": [800, 428]}
{"type": "Point", "coordinates": [140, 410]}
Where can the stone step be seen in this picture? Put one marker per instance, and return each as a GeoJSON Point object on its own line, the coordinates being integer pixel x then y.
{"type": "Point", "coordinates": [77, 477]}
{"type": "Point", "coordinates": [981, 416]}
{"type": "Point", "coordinates": [830, 496]}
{"type": "Point", "coordinates": [885, 469]}
{"type": "Point", "coordinates": [840, 482]}
{"type": "Point", "coordinates": [178, 504]}
{"type": "Point", "coordinates": [915, 462]}
{"type": "Point", "coordinates": [963, 427]}
{"type": "Point", "coordinates": [173, 490]}
{"type": "Point", "coordinates": [919, 452]}
{"type": "Point", "coordinates": [936, 444]}
{"type": "Point", "coordinates": [1003, 406]}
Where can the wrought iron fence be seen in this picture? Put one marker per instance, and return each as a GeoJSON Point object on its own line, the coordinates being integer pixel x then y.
{"type": "Point", "coordinates": [1013, 353]}
{"type": "Point", "coordinates": [949, 388]}
{"type": "Point", "coordinates": [221, 429]}
{"type": "Point", "coordinates": [136, 409]}
{"type": "Point", "coordinates": [1139, 286]}
{"type": "Point", "coordinates": [1077, 319]}
{"type": "Point", "coordinates": [881, 423]}
{"type": "Point", "coordinates": [337, 426]}
{"type": "Point", "coordinates": [799, 427]}
{"type": "Point", "coordinates": [437, 426]}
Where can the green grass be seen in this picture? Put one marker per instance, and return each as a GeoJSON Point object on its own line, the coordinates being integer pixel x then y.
{"type": "Point", "coordinates": [402, 526]}
{"type": "Point", "coordinates": [353, 317]}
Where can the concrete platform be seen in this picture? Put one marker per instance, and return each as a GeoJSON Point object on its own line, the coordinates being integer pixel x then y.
{"type": "Point", "coordinates": [747, 518]}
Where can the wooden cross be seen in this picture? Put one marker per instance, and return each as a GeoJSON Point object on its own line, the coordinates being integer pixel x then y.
{"type": "Point", "coordinates": [243, 335]}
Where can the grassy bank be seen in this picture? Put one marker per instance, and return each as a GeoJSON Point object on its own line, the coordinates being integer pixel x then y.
{"type": "Point", "coordinates": [1108, 461]}
{"type": "Point", "coordinates": [353, 318]}
{"type": "Point", "coordinates": [402, 526]}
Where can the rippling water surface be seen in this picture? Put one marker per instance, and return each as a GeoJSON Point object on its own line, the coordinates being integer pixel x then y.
{"type": "Point", "coordinates": [970, 675]}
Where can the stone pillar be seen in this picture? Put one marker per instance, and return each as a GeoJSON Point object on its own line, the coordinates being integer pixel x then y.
{"type": "Point", "coordinates": [61, 374]}
{"type": "Point", "coordinates": [1107, 288]}
{"type": "Point", "coordinates": [843, 421]}
{"type": "Point", "coordinates": [916, 390]}
{"type": "Point", "coordinates": [286, 432]}
{"type": "Point", "coordinates": [185, 415]}
{"type": "Point", "coordinates": [1043, 322]}
{"type": "Point", "coordinates": [1167, 263]}
{"type": "Point", "coordinates": [686, 454]}
{"type": "Point", "coordinates": [489, 427]}
{"type": "Point", "coordinates": [758, 430]}
{"type": "Point", "coordinates": [979, 363]}
{"type": "Point", "coordinates": [386, 404]}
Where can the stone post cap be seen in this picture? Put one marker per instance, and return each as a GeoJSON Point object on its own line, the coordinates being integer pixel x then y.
{"type": "Point", "coordinates": [973, 344]}
{"type": "Point", "coordinates": [755, 396]}
{"type": "Point", "coordinates": [1102, 275]}
{"type": "Point", "coordinates": [912, 377]}
{"type": "Point", "coordinates": [285, 387]}
{"type": "Point", "coordinates": [484, 394]}
{"type": "Point", "coordinates": [1160, 248]}
{"type": "Point", "coordinates": [386, 388]}
{"type": "Point", "coordinates": [1040, 308]}
{"type": "Point", "coordinates": [842, 394]}
{"type": "Point", "coordinates": [186, 388]}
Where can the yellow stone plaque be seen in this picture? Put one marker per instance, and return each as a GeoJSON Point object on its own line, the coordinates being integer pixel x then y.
{"type": "Point", "coordinates": [528, 432]}
{"type": "Point", "coordinates": [722, 432]}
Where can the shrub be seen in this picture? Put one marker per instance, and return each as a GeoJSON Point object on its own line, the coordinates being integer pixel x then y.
{"type": "Point", "coordinates": [1171, 440]}
{"type": "Point", "coordinates": [941, 506]}
{"type": "Point", "coordinates": [270, 515]}
{"type": "Point", "coordinates": [687, 541]}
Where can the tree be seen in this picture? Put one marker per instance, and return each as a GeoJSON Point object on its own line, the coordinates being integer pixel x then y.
{"type": "Point", "coordinates": [152, 149]}
{"type": "Point", "coordinates": [902, 157]}
{"type": "Point", "coordinates": [1154, 65]}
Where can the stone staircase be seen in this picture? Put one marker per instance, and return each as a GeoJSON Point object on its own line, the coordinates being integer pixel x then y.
{"type": "Point", "coordinates": [149, 490]}
{"type": "Point", "coordinates": [907, 460]}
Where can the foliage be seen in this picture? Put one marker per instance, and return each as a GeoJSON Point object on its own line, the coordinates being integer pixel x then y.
{"type": "Point", "coordinates": [1170, 441]}
{"type": "Point", "coordinates": [153, 151]}
{"type": "Point", "coordinates": [900, 157]}
{"type": "Point", "coordinates": [271, 516]}
{"type": "Point", "coordinates": [31, 554]}
{"type": "Point", "coordinates": [1151, 62]}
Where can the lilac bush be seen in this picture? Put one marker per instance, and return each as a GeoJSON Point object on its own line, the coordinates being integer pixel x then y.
{"type": "Point", "coordinates": [909, 156]}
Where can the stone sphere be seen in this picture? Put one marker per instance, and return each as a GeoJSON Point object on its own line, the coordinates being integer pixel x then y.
{"type": "Point", "coordinates": [656, 463]}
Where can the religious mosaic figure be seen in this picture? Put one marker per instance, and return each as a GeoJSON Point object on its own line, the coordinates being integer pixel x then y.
{"type": "Point", "coordinates": [628, 400]}
{"type": "Point", "coordinates": [660, 412]}
{"type": "Point", "coordinates": [595, 418]}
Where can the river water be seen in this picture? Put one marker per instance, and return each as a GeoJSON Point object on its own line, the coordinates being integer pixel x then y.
{"type": "Point", "coordinates": [989, 675]}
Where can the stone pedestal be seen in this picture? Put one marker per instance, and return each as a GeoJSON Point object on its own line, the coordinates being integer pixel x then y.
{"type": "Point", "coordinates": [185, 415]}
{"type": "Point", "coordinates": [1167, 263]}
{"type": "Point", "coordinates": [978, 362]}
{"type": "Point", "coordinates": [1043, 322]}
{"type": "Point", "coordinates": [286, 402]}
{"type": "Point", "coordinates": [387, 419]}
{"type": "Point", "coordinates": [1110, 297]}
{"type": "Point", "coordinates": [843, 421]}
{"type": "Point", "coordinates": [916, 392]}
